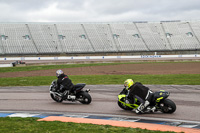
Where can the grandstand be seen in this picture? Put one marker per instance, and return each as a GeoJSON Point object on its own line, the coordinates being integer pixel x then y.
{"type": "Point", "coordinates": [94, 38]}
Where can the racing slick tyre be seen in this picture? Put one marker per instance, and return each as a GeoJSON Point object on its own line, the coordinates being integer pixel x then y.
{"type": "Point", "coordinates": [84, 97]}
{"type": "Point", "coordinates": [121, 105]}
{"type": "Point", "coordinates": [169, 106]}
{"type": "Point", "coordinates": [56, 98]}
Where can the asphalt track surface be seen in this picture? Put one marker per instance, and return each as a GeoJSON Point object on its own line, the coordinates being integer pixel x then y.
{"type": "Point", "coordinates": [104, 101]}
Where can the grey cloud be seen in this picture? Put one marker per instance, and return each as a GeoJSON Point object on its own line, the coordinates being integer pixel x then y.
{"type": "Point", "coordinates": [121, 6]}
{"type": "Point", "coordinates": [23, 5]}
{"type": "Point", "coordinates": [71, 4]}
{"type": "Point", "coordinates": [98, 10]}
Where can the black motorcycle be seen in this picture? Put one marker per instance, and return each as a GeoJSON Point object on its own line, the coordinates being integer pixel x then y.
{"type": "Point", "coordinates": [78, 94]}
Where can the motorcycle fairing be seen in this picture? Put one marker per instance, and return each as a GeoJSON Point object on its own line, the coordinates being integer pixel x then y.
{"type": "Point", "coordinates": [122, 96]}
{"type": "Point", "coordinates": [160, 95]}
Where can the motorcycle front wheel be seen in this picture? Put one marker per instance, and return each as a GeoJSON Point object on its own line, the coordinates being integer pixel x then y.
{"type": "Point", "coordinates": [56, 98]}
{"type": "Point", "coordinates": [84, 97]}
{"type": "Point", "coordinates": [121, 105]}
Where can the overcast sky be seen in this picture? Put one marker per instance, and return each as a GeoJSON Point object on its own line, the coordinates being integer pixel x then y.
{"type": "Point", "coordinates": [98, 10]}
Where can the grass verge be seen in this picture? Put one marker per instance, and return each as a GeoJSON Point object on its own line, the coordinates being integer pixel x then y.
{"type": "Point", "coordinates": [31, 125]}
{"type": "Point", "coordinates": [47, 67]}
{"type": "Point", "coordinates": [171, 79]}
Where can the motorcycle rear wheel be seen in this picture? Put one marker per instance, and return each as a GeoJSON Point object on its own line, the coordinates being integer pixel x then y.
{"type": "Point", "coordinates": [169, 106]}
{"type": "Point", "coordinates": [56, 98]}
{"type": "Point", "coordinates": [85, 97]}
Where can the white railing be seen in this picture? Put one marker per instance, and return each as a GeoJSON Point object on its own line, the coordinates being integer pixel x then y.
{"type": "Point", "coordinates": [98, 57]}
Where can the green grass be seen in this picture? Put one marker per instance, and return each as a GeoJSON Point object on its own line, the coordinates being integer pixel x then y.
{"type": "Point", "coordinates": [31, 125]}
{"type": "Point", "coordinates": [47, 67]}
{"type": "Point", "coordinates": [171, 79]}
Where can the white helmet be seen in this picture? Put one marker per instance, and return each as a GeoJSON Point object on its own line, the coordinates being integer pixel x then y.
{"type": "Point", "coordinates": [58, 73]}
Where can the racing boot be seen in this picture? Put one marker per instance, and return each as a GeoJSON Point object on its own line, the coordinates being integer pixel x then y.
{"type": "Point", "coordinates": [153, 109]}
{"type": "Point", "coordinates": [139, 110]}
{"type": "Point", "coordinates": [142, 107]}
{"type": "Point", "coordinates": [150, 109]}
{"type": "Point", "coordinates": [72, 97]}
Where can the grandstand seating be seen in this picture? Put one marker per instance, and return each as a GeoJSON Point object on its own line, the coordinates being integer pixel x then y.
{"type": "Point", "coordinates": [179, 39]}
{"type": "Point", "coordinates": [125, 39]}
{"type": "Point", "coordinates": [13, 39]}
{"type": "Point", "coordinates": [47, 38]}
{"type": "Point", "coordinates": [74, 39]}
{"type": "Point", "coordinates": [153, 36]}
{"type": "Point", "coordinates": [195, 26]}
{"type": "Point", "coordinates": [100, 37]}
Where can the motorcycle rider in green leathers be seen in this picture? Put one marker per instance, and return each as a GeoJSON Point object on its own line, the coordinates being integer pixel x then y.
{"type": "Point", "coordinates": [139, 91]}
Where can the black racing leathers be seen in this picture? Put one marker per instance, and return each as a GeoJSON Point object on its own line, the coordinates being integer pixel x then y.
{"type": "Point", "coordinates": [138, 91]}
{"type": "Point", "coordinates": [64, 83]}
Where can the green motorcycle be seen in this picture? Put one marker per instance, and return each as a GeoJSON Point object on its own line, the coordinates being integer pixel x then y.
{"type": "Point", "coordinates": [159, 101]}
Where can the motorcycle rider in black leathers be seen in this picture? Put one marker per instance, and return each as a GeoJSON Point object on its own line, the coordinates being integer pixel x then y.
{"type": "Point", "coordinates": [64, 84]}
{"type": "Point", "coordinates": [139, 91]}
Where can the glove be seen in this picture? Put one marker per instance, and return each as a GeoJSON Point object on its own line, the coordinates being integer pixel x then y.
{"type": "Point", "coordinates": [127, 101]}
{"type": "Point", "coordinates": [61, 88]}
{"type": "Point", "coordinates": [66, 92]}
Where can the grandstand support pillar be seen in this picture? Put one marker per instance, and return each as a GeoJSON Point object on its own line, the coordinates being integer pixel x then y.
{"type": "Point", "coordinates": [141, 36]}
{"type": "Point", "coordinates": [88, 37]}
{"type": "Point", "coordinates": [193, 32]}
{"type": "Point", "coordinates": [2, 51]}
{"type": "Point", "coordinates": [166, 36]}
{"type": "Point", "coordinates": [58, 38]}
{"type": "Point", "coordinates": [32, 38]}
{"type": "Point", "coordinates": [113, 40]}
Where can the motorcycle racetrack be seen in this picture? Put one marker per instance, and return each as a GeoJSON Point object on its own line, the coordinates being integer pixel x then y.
{"type": "Point", "coordinates": [104, 97]}
{"type": "Point", "coordinates": [104, 101]}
